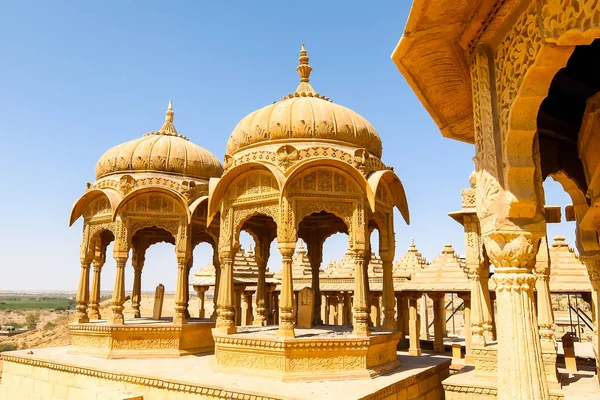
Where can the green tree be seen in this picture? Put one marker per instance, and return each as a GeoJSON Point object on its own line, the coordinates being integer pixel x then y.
{"type": "Point", "coordinates": [32, 319]}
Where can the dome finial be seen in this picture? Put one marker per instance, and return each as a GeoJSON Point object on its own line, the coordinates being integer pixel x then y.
{"type": "Point", "coordinates": [168, 128]}
{"type": "Point", "coordinates": [303, 69]}
{"type": "Point", "coordinates": [169, 114]}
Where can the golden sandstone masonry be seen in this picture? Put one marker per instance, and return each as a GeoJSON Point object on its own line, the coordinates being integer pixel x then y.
{"type": "Point", "coordinates": [517, 78]}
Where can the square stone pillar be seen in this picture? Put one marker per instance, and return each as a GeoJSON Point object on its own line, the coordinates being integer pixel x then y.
{"type": "Point", "coordinates": [466, 298]}
{"type": "Point", "coordinates": [375, 311]}
{"type": "Point", "coordinates": [424, 313]}
{"type": "Point", "coordinates": [247, 309]}
{"type": "Point", "coordinates": [401, 311]}
{"type": "Point", "coordinates": [238, 306]}
{"type": "Point", "coordinates": [439, 321]}
{"type": "Point", "coordinates": [332, 303]}
{"type": "Point", "coordinates": [414, 343]}
{"type": "Point", "coordinates": [201, 293]}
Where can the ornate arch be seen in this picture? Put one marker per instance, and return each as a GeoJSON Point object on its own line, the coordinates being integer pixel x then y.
{"type": "Point", "coordinates": [397, 190]}
{"type": "Point", "coordinates": [80, 205]}
{"type": "Point", "coordinates": [534, 50]}
{"type": "Point", "coordinates": [135, 225]}
{"type": "Point", "coordinates": [241, 215]}
{"type": "Point", "coordinates": [304, 165]}
{"type": "Point", "coordinates": [586, 240]}
{"type": "Point", "coordinates": [179, 200]}
{"type": "Point", "coordinates": [218, 187]}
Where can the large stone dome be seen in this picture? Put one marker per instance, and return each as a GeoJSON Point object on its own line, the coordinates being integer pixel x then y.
{"type": "Point", "coordinates": [304, 116]}
{"type": "Point", "coordinates": [163, 151]}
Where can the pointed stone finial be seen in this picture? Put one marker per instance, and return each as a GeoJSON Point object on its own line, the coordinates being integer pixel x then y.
{"type": "Point", "coordinates": [412, 247]}
{"type": "Point", "coordinates": [168, 128]}
{"type": "Point", "coordinates": [301, 248]}
{"type": "Point", "coordinates": [448, 249]}
{"type": "Point", "coordinates": [169, 114]}
{"type": "Point", "coordinates": [560, 241]}
{"type": "Point", "coordinates": [304, 68]}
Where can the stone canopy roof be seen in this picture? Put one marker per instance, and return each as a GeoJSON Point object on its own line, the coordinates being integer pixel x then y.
{"type": "Point", "coordinates": [446, 273]}
{"type": "Point", "coordinates": [411, 261]}
{"type": "Point", "coordinates": [567, 273]}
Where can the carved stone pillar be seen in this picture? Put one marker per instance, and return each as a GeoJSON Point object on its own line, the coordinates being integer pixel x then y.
{"type": "Point", "coordinates": [218, 269]}
{"type": "Point", "coordinates": [137, 261]}
{"type": "Point", "coordinates": [83, 293]}
{"type": "Point", "coordinates": [414, 343]}
{"type": "Point", "coordinates": [545, 314]}
{"type": "Point", "coordinates": [238, 305]}
{"type": "Point", "coordinates": [260, 312]}
{"type": "Point", "coordinates": [225, 302]}
{"type": "Point", "coordinates": [323, 307]}
{"type": "Point", "coordinates": [247, 309]}
{"type": "Point", "coordinates": [287, 319]}
{"type": "Point", "coordinates": [201, 292]}
{"type": "Point", "coordinates": [118, 297]}
{"type": "Point", "coordinates": [401, 306]}
{"type": "Point", "coordinates": [315, 254]}
{"type": "Point", "coordinates": [424, 318]}
{"type": "Point", "coordinates": [181, 299]}
{"type": "Point", "coordinates": [521, 373]}
{"type": "Point", "coordinates": [466, 298]}
{"type": "Point", "coordinates": [342, 309]}
{"type": "Point", "coordinates": [361, 305]}
{"type": "Point", "coordinates": [592, 262]}
{"type": "Point", "coordinates": [439, 320]}
{"type": "Point", "coordinates": [333, 309]}
{"type": "Point", "coordinates": [94, 305]}
{"type": "Point", "coordinates": [389, 322]}
{"type": "Point", "coordinates": [478, 270]}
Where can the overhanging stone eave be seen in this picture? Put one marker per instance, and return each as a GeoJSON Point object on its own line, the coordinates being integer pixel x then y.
{"type": "Point", "coordinates": [455, 121]}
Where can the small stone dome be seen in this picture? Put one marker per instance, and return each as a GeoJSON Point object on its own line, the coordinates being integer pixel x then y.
{"type": "Point", "coordinates": [304, 116]}
{"type": "Point", "coordinates": [164, 151]}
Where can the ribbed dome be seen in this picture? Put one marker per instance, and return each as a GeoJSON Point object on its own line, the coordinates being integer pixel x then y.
{"type": "Point", "coordinates": [163, 151]}
{"type": "Point", "coordinates": [304, 116]}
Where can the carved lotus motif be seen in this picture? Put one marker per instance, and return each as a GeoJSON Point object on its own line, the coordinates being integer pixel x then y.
{"type": "Point", "coordinates": [188, 189]}
{"type": "Point", "coordinates": [126, 184]}
{"type": "Point", "coordinates": [286, 156]}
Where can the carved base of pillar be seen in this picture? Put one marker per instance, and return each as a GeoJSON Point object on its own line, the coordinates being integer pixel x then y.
{"type": "Point", "coordinates": [484, 359]}
{"type": "Point", "coordinates": [81, 318]}
{"type": "Point", "coordinates": [258, 352]}
{"type": "Point", "coordinates": [116, 319]}
{"type": "Point", "coordinates": [94, 314]}
{"type": "Point", "coordinates": [415, 352]}
{"type": "Point", "coordinates": [141, 337]}
{"type": "Point", "coordinates": [179, 319]}
{"type": "Point", "coordinates": [471, 386]}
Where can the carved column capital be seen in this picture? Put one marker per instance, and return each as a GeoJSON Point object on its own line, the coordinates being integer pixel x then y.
{"type": "Point", "coordinates": [512, 252]}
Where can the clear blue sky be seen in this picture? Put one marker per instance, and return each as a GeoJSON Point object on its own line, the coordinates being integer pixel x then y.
{"type": "Point", "coordinates": [77, 78]}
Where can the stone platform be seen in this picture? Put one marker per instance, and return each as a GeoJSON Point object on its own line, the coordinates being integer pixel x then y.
{"type": "Point", "coordinates": [468, 385]}
{"type": "Point", "coordinates": [324, 352]}
{"type": "Point", "coordinates": [54, 374]}
{"type": "Point", "coordinates": [142, 338]}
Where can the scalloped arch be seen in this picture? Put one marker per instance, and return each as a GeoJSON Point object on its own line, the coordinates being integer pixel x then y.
{"type": "Point", "coordinates": [80, 204]}
{"type": "Point", "coordinates": [217, 187]}
{"type": "Point", "coordinates": [153, 189]}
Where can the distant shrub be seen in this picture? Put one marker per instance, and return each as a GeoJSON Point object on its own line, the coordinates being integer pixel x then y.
{"type": "Point", "coordinates": [7, 347]}
{"type": "Point", "coordinates": [49, 325]}
{"type": "Point", "coordinates": [32, 319]}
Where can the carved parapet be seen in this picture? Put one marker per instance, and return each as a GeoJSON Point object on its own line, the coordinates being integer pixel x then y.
{"type": "Point", "coordinates": [302, 359]}
{"type": "Point", "coordinates": [141, 340]}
